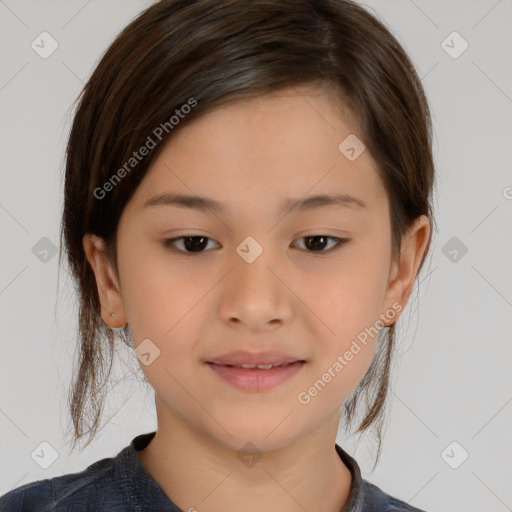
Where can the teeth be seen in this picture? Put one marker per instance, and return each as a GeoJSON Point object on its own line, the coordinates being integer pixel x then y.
{"type": "Point", "coordinates": [259, 366]}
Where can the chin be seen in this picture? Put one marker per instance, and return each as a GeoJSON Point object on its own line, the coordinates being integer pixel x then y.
{"type": "Point", "coordinates": [266, 434]}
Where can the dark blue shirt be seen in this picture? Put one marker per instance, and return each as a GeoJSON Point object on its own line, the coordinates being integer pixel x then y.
{"type": "Point", "coordinates": [122, 484]}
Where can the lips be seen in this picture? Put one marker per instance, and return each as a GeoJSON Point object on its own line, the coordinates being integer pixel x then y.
{"type": "Point", "coordinates": [251, 371]}
{"type": "Point", "coordinates": [246, 359]}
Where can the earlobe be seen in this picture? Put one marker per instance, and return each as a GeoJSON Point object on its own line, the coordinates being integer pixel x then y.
{"type": "Point", "coordinates": [414, 245]}
{"type": "Point", "coordinates": [109, 292]}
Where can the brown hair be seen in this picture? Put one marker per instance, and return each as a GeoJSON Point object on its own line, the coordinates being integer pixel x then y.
{"type": "Point", "coordinates": [216, 51]}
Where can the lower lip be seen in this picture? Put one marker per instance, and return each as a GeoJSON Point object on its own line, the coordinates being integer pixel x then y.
{"type": "Point", "coordinates": [254, 379]}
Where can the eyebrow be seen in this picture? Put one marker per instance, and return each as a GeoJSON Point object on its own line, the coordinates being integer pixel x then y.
{"type": "Point", "coordinates": [202, 203]}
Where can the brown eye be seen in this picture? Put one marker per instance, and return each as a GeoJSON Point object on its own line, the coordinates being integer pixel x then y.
{"type": "Point", "coordinates": [317, 243]}
{"type": "Point", "coordinates": [197, 243]}
{"type": "Point", "coordinates": [191, 244]}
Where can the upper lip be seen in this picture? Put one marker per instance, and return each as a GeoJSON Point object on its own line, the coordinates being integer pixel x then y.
{"type": "Point", "coordinates": [256, 358]}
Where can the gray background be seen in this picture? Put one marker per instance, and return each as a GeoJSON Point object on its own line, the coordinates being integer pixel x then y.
{"type": "Point", "coordinates": [452, 380]}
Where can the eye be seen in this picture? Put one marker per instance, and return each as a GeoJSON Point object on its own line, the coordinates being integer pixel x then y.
{"type": "Point", "coordinates": [318, 242]}
{"type": "Point", "coordinates": [197, 243]}
{"type": "Point", "coordinates": [192, 243]}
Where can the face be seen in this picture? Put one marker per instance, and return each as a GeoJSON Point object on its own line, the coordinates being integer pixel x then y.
{"type": "Point", "coordinates": [259, 272]}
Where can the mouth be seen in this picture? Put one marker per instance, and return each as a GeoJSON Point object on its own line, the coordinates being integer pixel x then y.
{"type": "Point", "coordinates": [254, 372]}
{"type": "Point", "coordinates": [259, 366]}
{"type": "Point", "coordinates": [246, 359]}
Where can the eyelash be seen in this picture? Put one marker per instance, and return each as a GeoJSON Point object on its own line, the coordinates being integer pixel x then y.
{"type": "Point", "coordinates": [340, 242]}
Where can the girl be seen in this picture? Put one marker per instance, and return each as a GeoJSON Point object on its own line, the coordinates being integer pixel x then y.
{"type": "Point", "coordinates": [247, 204]}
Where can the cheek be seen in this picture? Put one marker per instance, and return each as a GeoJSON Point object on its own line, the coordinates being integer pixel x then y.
{"type": "Point", "coordinates": [349, 302]}
{"type": "Point", "coordinates": [156, 292]}
{"type": "Point", "coordinates": [167, 304]}
{"type": "Point", "coordinates": [348, 298]}
{"type": "Point", "coordinates": [342, 357]}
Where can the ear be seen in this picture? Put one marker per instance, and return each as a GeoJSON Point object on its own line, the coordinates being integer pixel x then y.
{"type": "Point", "coordinates": [403, 272]}
{"type": "Point", "coordinates": [109, 291]}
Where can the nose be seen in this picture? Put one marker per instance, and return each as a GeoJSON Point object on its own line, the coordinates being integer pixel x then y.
{"type": "Point", "coordinates": [255, 295]}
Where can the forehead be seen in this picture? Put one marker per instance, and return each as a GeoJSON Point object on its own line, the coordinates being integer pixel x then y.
{"type": "Point", "coordinates": [267, 148]}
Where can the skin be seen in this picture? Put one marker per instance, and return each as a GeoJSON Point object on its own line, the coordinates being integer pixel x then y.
{"type": "Point", "coordinates": [251, 154]}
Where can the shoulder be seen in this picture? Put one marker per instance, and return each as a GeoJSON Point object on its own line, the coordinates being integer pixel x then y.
{"type": "Point", "coordinates": [367, 497]}
{"type": "Point", "coordinates": [74, 491]}
{"type": "Point", "coordinates": [379, 501]}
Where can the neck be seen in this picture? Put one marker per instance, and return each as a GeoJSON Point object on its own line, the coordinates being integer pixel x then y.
{"type": "Point", "coordinates": [196, 472]}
